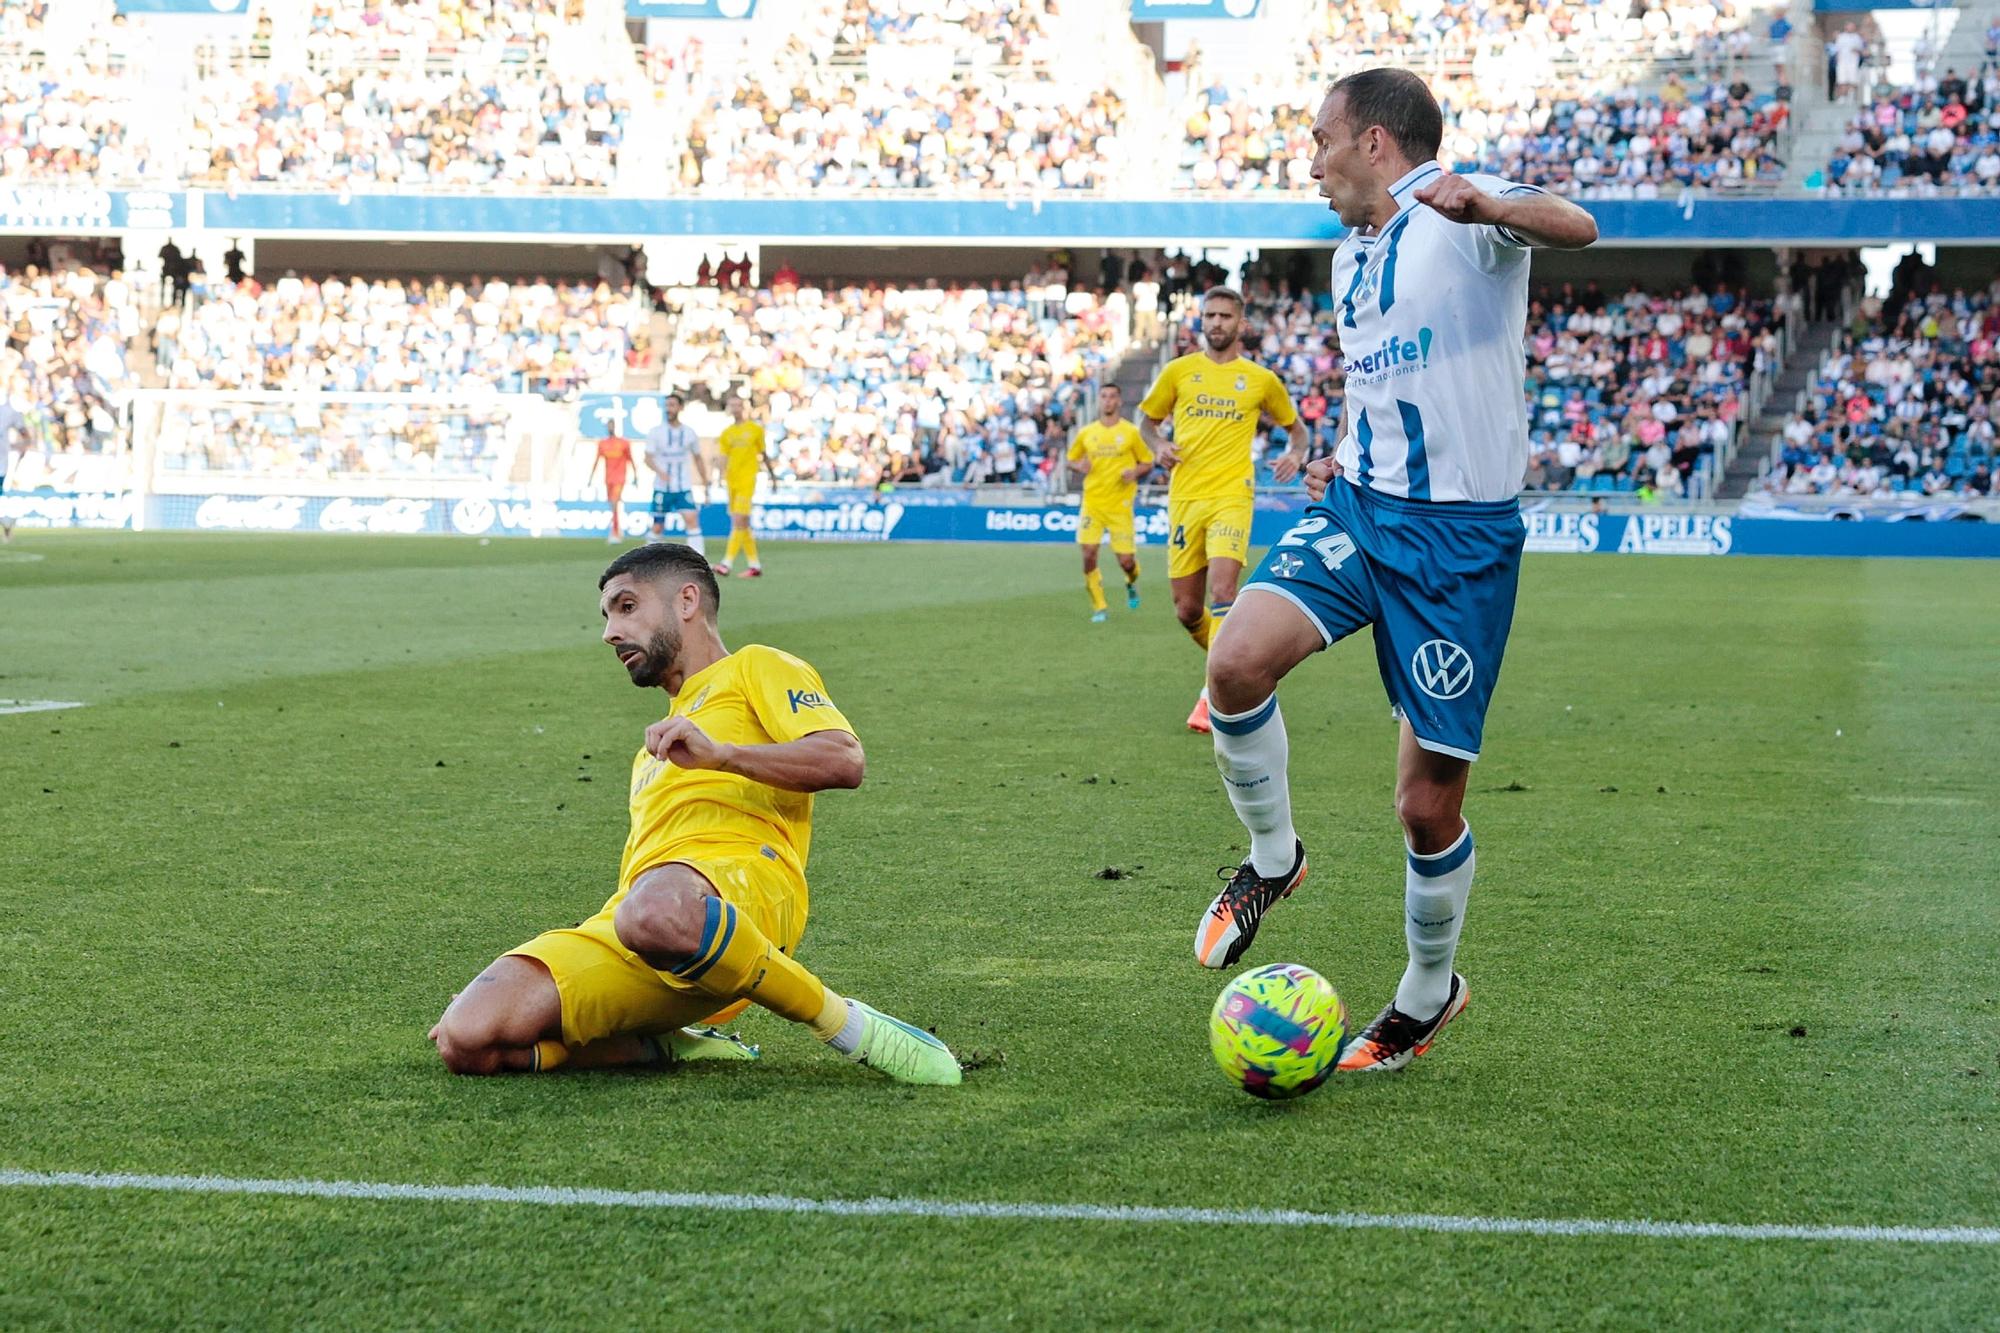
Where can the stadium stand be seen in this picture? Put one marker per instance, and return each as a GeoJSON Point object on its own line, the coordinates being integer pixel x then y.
{"type": "Point", "coordinates": [64, 360]}
{"type": "Point", "coordinates": [1942, 134]}
{"type": "Point", "coordinates": [1589, 101]}
{"type": "Point", "coordinates": [925, 383]}
{"type": "Point", "coordinates": [1904, 405]}
{"type": "Point", "coordinates": [384, 336]}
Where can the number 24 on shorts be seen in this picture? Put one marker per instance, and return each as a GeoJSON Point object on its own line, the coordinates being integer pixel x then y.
{"type": "Point", "coordinates": [1333, 549]}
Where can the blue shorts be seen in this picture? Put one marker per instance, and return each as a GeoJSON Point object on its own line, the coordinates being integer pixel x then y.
{"type": "Point", "coordinates": [671, 502]}
{"type": "Point", "coordinates": [1437, 582]}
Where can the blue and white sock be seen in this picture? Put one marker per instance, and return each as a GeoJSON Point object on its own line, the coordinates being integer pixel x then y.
{"type": "Point", "coordinates": [1251, 751]}
{"type": "Point", "coordinates": [1434, 892]}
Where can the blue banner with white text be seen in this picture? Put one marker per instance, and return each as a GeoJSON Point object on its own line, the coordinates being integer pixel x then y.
{"type": "Point", "coordinates": [1175, 11]}
{"type": "Point", "coordinates": [884, 518]}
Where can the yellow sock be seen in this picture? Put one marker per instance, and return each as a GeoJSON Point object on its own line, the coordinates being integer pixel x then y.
{"type": "Point", "coordinates": [832, 1017]}
{"type": "Point", "coordinates": [738, 961]}
{"type": "Point", "coordinates": [550, 1055]}
{"type": "Point", "coordinates": [735, 547]}
{"type": "Point", "coordinates": [1093, 583]}
{"type": "Point", "coordinates": [1202, 630]}
{"type": "Point", "coordinates": [1132, 575]}
{"type": "Point", "coordinates": [750, 545]}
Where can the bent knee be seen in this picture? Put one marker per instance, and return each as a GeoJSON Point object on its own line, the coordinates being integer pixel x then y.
{"type": "Point", "coordinates": [1428, 813]}
{"type": "Point", "coordinates": [1237, 678]}
{"type": "Point", "coordinates": [660, 922]}
{"type": "Point", "coordinates": [466, 1057]}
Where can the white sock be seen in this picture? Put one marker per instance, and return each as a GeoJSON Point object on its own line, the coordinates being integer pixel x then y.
{"type": "Point", "coordinates": [694, 541]}
{"type": "Point", "coordinates": [848, 1040]}
{"type": "Point", "coordinates": [1434, 892]}
{"type": "Point", "coordinates": [1250, 751]}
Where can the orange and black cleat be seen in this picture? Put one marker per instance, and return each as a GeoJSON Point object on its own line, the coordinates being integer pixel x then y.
{"type": "Point", "coordinates": [1394, 1038]}
{"type": "Point", "coordinates": [1231, 921]}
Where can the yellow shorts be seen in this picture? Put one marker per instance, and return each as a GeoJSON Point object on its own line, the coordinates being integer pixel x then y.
{"type": "Point", "coordinates": [607, 990]}
{"type": "Point", "coordinates": [1199, 531]}
{"type": "Point", "coordinates": [1094, 523]}
{"type": "Point", "coordinates": [739, 501]}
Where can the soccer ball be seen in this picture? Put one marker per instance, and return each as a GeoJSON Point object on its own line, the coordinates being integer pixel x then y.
{"type": "Point", "coordinates": [1277, 1031]}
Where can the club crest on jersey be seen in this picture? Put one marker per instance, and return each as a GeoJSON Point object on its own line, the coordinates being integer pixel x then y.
{"type": "Point", "coordinates": [1242, 383]}
{"type": "Point", "coordinates": [699, 700]}
{"type": "Point", "coordinates": [1443, 670]}
{"type": "Point", "coordinates": [1286, 565]}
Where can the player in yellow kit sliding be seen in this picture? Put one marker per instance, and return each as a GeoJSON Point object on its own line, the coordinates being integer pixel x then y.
{"type": "Point", "coordinates": [1115, 457]}
{"type": "Point", "coordinates": [711, 897]}
{"type": "Point", "coordinates": [1216, 399]}
{"type": "Point", "coordinates": [742, 446]}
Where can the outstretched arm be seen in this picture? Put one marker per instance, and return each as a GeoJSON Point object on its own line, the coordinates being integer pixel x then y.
{"type": "Point", "coordinates": [1539, 219]}
{"type": "Point", "coordinates": [817, 762]}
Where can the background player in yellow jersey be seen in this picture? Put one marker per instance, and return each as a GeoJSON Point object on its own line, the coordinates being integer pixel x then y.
{"type": "Point", "coordinates": [1113, 457]}
{"type": "Point", "coordinates": [711, 897]}
{"type": "Point", "coordinates": [742, 446]}
{"type": "Point", "coordinates": [1216, 399]}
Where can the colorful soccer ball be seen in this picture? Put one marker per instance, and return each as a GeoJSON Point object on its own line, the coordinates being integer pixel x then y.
{"type": "Point", "coordinates": [1277, 1031]}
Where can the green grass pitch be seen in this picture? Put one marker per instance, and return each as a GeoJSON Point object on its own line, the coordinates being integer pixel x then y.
{"type": "Point", "coordinates": [1732, 951]}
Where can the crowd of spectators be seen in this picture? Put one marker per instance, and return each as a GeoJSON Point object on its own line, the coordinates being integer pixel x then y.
{"type": "Point", "coordinates": [68, 126]}
{"type": "Point", "coordinates": [370, 31]}
{"type": "Point", "coordinates": [867, 384]}
{"type": "Point", "coordinates": [1642, 391]}
{"type": "Point", "coordinates": [1904, 405]}
{"type": "Point", "coordinates": [357, 335]}
{"type": "Point", "coordinates": [1570, 136]}
{"type": "Point", "coordinates": [825, 129]}
{"type": "Point", "coordinates": [324, 441]}
{"type": "Point", "coordinates": [374, 128]}
{"type": "Point", "coordinates": [1703, 31]}
{"type": "Point", "coordinates": [1940, 134]}
{"type": "Point", "coordinates": [63, 364]}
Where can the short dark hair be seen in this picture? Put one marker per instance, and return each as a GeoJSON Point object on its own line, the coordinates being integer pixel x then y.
{"type": "Point", "coordinates": [676, 398]}
{"type": "Point", "coordinates": [1225, 293]}
{"type": "Point", "coordinates": [668, 560]}
{"type": "Point", "coordinates": [1401, 103]}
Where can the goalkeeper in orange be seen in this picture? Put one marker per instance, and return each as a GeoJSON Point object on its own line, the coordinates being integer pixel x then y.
{"type": "Point", "coordinates": [711, 898]}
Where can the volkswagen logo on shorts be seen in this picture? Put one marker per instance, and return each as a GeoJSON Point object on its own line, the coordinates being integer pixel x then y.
{"type": "Point", "coordinates": [1442, 668]}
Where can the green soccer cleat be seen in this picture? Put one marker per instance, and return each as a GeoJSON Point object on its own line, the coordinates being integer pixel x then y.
{"type": "Point", "coordinates": [906, 1054]}
{"type": "Point", "coordinates": [685, 1045]}
{"type": "Point", "coordinates": [1132, 597]}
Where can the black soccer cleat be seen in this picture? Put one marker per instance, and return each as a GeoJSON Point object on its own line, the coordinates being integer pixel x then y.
{"type": "Point", "coordinates": [1231, 921]}
{"type": "Point", "coordinates": [1394, 1038]}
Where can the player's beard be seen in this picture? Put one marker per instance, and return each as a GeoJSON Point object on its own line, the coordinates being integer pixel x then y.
{"type": "Point", "coordinates": [1218, 342]}
{"type": "Point", "coordinates": [656, 659]}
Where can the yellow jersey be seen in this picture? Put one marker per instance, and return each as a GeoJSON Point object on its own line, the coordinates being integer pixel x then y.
{"type": "Point", "coordinates": [742, 446]}
{"type": "Point", "coordinates": [1112, 450]}
{"type": "Point", "coordinates": [1215, 409]}
{"type": "Point", "coordinates": [754, 696]}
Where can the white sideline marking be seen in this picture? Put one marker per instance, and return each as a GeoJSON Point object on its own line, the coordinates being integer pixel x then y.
{"type": "Point", "coordinates": [567, 1197]}
{"type": "Point", "coordinates": [37, 705]}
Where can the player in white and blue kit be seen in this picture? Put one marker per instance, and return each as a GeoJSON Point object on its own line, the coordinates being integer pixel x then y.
{"type": "Point", "coordinates": [1414, 527]}
{"type": "Point", "coordinates": [673, 451]}
{"type": "Point", "coordinates": [12, 424]}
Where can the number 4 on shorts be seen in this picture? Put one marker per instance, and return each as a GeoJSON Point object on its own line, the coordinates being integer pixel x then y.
{"type": "Point", "coordinates": [1332, 549]}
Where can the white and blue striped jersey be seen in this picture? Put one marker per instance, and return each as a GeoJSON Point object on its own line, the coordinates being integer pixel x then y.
{"type": "Point", "coordinates": [671, 449]}
{"type": "Point", "coordinates": [1431, 314]}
